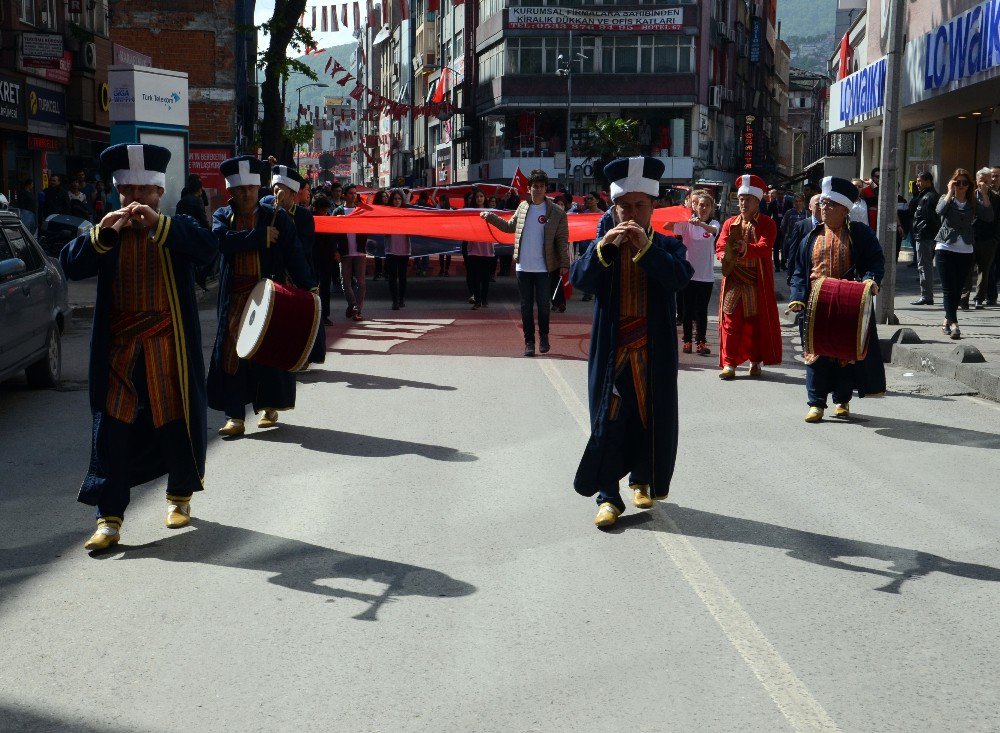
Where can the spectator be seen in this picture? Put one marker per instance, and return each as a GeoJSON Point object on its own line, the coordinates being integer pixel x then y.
{"type": "Point", "coordinates": [56, 198]}
{"type": "Point", "coordinates": [397, 257]}
{"type": "Point", "coordinates": [799, 232]}
{"type": "Point", "coordinates": [788, 222]}
{"type": "Point", "coordinates": [698, 235]}
{"type": "Point", "coordinates": [991, 286]}
{"type": "Point", "coordinates": [353, 258]}
{"type": "Point", "coordinates": [88, 189]}
{"type": "Point", "coordinates": [859, 212]}
{"type": "Point", "coordinates": [959, 212]}
{"type": "Point", "coordinates": [985, 247]}
{"type": "Point", "coordinates": [541, 251]}
{"type": "Point", "coordinates": [381, 198]}
{"type": "Point", "coordinates": [479, 261]}
{"type": "Point", "coordinates": [191, 202]}
{"type": "Point", "coordinates": [99, 204]}
{"type": "Point", "coordinates": [326, 258]}
{"type": "Point", "coordinates": [925, 226]}
{"type": "Point", "coordinates": [78, 205]}
{"type": "Point", "coordinates": [26, 201]}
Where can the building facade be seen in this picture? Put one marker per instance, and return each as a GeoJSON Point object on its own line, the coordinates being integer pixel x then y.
{"type": "Point", "coordinates": [948, 95]}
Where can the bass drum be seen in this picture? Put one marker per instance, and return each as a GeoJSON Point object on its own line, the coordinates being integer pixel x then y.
{"type": "Point", "coordinates": [839, 318]}
{"type": "Point", "coordinates": [278, 327]}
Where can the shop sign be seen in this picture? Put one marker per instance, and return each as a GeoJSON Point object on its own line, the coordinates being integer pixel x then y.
{"type": "Point", "coordinates": [11, 101]}
{"type": "Point", "coordinates": [965, 46]}
{"type": "Point", "coordinates": [863, 92]}
{"type": "Point", "coordinates": [576, 19]}
{"type": "Point", "coordinates": [756, 38]}
{"type": "Point", "coordinates": [748, 140]}
{"type": "Point", "coordinates": [42, 49]}
{"type": "Point", "coordinates": [45, 105]}
{"type": "Point", "coordinates": [122, 56]}
{"type": "Point", "coordinates": [153, 95]}
{"type": "Point", "coordinates": [41, 142]}
{"type": "Point", "coordinates": [58, 73]}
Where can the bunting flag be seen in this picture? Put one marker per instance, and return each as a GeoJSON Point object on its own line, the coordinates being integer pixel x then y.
{"type": "Point", "coordinates": [344, 81]}
{"type": "Point", "coordinates": [334, 25]}
{"type": "Point", "coordinates": [324, 26]}
{"type": "Point", "coordinates": [358, 91]}
{"type": "Point", "coordinates": [337, 68]}
{"type": "Point", "coordinates": [357, 14]}
{"type": "Point", "coordinates": [463, 224]}
{"type": "Point", "coordinates": [328, 62]}
{"type": "Point", "coordinates": [314, 19]}
{"type": "Point", "coordinates": [370, 14]}
{"type": "Point", "coordinates": [343, 15]}
{"type": "Point", "coordinates": [404, 9]}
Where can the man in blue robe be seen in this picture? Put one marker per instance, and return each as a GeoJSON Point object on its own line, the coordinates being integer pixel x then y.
{"type": "Point", "coordinates": [256, 241]}
{"type": "Point", "coordinates": [147, 373]}
{"type": "Point", "coordinates": [846, 250]}
{"type": "Point", "coordinates": [635, 274]}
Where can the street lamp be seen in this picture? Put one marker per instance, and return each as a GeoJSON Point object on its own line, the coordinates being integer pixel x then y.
{"type": "Point", "coordinates": [298, 115]}
{"type": "Point", "coordinates": [567, 71]}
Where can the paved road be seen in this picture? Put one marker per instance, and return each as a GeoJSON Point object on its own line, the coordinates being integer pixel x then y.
{"type": "Point", "coordinates": [405, 553]}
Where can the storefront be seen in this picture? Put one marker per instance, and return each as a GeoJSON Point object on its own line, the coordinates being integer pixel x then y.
{"type": "Point", "coordinates": [47, 131]}
{"type": "Point", "coordinates": [15, 161]}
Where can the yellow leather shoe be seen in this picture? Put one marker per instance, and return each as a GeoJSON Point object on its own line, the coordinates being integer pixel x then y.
{"type": "Point", "coordinates": [815, 414]}
{"type": "Point", "coordinates": [727, 373]}
{"type": "Point", "coordinates": [607, 514]}
{"type": "Point", "coordinates": [754, 369]}
{"type": "Point", "coordinates": [232, 428]}
{"type": "Point", "coordinates": [107, 534]}
{"type": "Point", "coordinates": [268, 420]}
{"type": "Point", "coordinates": [178, 513]}
{"type": "Point", "coordinates": [640, 496]}
{"type": "Point", "coordinates": [842, 410]}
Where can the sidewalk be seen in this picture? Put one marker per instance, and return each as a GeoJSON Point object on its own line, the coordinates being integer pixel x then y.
{"type": "Point", "coordinates": [82, 294]}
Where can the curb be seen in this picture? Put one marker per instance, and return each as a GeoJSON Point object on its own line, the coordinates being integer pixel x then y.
{"type": "Point", "coordinates": [963, 363]}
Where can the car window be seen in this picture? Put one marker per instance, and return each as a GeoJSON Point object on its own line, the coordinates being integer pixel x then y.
{"type": "Point", "coordinates": [5, 251]}
{"type": "Point", "coordinates": [23, 249]}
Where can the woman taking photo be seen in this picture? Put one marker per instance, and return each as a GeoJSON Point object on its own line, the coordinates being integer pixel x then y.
{"type": "Point", "coordinates": [959, 210]}
{"type": "Point", "coordinates": [479, 261]}
{"type": "Point", "coordinates": [397, 257]}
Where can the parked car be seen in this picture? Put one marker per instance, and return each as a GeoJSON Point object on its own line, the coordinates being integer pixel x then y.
{"type": "Point", "coordinates": [58, 229]}
{"type": "Point", "coordinates": [34, 306]}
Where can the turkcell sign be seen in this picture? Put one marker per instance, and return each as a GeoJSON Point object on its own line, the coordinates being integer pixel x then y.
{"type": "Point", "coordinates": [966, 45]}
{"type": "Point", "coordinates": [863, 92]}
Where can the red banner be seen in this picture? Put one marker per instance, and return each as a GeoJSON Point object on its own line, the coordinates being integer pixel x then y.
{"type": "Point", "coordinates": [204, 162]}
{"type": "Point", "coordinates": [463, 224]}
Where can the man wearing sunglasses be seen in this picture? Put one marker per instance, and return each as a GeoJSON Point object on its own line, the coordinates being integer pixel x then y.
{"type": "Point", "coordinates": [846, 250]}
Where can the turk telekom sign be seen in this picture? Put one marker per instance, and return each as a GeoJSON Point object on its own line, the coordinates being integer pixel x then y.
{"type": "Point", "coordinates": [573, 19]}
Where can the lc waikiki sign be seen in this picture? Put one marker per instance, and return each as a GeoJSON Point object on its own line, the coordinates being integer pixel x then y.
{"type": "Point", "coordinates": [858, 96]}
{"type": "Point", "coordinates": [964, 50]}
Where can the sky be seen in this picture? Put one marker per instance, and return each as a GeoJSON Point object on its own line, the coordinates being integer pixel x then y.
{"type": "Point", "coordinates": [264, 9]}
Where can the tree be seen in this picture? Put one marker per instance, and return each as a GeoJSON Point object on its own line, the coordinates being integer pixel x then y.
{"type": "Point", "coordinates": [283, 30]}
{"type": "Point", "coordinates": [608, 139]}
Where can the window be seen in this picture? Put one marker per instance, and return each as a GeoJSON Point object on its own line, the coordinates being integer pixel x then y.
{"type": "Point", "coordinates": [491, 63]}
{"type": "Point", "coordinates": [48, 15]}
{"type": "Point", "coordinates": [23, 249]}
{"type": "Point", "coordinates": [26, 11]}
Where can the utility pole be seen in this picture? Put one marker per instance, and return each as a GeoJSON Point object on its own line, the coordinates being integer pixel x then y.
{"type": "Point", "coordinates": [888, 179]}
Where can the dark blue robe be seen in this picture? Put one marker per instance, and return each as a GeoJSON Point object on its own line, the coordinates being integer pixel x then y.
{"type": "Point", "coordinates": [867, 377]}
{"type": "Point", "coordinates": [668, 271]}
{"type": "Point", "coordinates": [185, 245]}
{"type": "Point", "coordinates": [267, 387]}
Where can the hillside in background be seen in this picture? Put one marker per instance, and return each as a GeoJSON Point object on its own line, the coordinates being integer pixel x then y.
{"type": "Point", "coordinates": [808, 28]}
{"type": "Point", "coordinates": [313, 96]}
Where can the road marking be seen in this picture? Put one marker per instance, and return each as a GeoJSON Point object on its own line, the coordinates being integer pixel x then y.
{"type": "Point", "coordinates": [789, 693]}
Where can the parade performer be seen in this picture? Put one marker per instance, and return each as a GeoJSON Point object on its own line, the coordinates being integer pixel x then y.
{"type": "Point", "coordinates": [846, 250]}
{"type": "Point", "coordinates": [147, 375]}
{"type": "Point", "coordinates": [287, 185]}
{"type": "Point", "coordinates": [257, 241]}
{"type": "Point", "coordinates": [748, 310]}
{"type": "Point", "coordinates": [635, 274]}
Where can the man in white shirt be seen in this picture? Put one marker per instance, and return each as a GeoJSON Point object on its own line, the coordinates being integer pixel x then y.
{"type": "Point", "coordinates": [859, 212]}
{"type": "Point", "coordinates": [541, 249]}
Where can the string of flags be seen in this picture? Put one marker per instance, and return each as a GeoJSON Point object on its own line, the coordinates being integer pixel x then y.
{"type": "Point", "coordinates": [333, 17]}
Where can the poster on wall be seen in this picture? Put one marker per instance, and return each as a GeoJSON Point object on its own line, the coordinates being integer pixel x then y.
{"type": "Point", "coordinates": [574, 19]}
{"type": "Point", "coordinates": [204, 161]}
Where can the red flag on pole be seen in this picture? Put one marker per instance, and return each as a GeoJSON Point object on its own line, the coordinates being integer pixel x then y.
{"type": "Point", "coordinates": [432, 6]}
{"type": "Point", "coordinates": [520, 182]}
{"type": "Point", "coordinates": [846, 56]}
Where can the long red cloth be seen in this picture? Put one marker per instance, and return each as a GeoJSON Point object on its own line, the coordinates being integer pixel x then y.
{"type": "Point", "coordinates": [463, 224]}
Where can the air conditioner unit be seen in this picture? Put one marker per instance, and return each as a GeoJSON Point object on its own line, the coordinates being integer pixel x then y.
{"type": "Point", "coordinates": [727, 94]}
{"type": "Point", "coordinates": [715, 97]}
{"type": "Point", "coordinates": [88, 56]}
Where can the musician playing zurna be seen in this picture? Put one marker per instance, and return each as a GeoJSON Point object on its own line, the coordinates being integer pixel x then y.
{"type": "Point", "coordinates": [635, 274]}
{"type": "Point", "coordinates": [147, 374]}
{"type": "Point", "coordinates": [846, 250]}
{"type": "Point", "coordinates": [286, 185]}
{"type": "Point", "coordinates": [748, 310]}
{"type": "Point", "coordinates": [256, 241]}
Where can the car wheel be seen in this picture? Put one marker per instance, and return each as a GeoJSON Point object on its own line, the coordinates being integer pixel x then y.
{"type": "Point", "coordinates": [47, 371]}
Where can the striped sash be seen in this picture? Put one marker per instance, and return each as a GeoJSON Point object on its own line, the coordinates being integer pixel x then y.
{"type": "Point", "coordinates": [153, 333]}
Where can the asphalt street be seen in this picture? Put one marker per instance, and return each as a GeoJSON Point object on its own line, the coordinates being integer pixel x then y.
{"type": "Point", "coordinates": [405, 553]}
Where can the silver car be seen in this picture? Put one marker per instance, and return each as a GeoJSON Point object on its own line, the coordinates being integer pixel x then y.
{"type": "Point", "coordinates": [34, 307]}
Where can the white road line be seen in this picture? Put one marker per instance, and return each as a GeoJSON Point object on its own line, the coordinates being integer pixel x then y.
{"type": "Point", "coordinates": [793, 699]}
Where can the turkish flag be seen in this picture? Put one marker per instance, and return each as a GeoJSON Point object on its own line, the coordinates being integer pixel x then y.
{"type": "Point", "coordinates": [432, 6]}
{"type": "Point", "coordinates": [520, 182]}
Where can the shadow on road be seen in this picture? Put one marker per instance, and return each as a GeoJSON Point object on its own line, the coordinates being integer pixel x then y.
{"type": "Point", "coordinates": [339, 443]}
{"type": "Point", "coordinates": [365, 381]}
{"type": "Point", "coordinates": [923, 432]}
{"type": "Point", "coordinates": [820, 549]}
{"type": "Point", "coordinates": [23, 721]}
{"type": "Point", "coordinates": [295, 565]}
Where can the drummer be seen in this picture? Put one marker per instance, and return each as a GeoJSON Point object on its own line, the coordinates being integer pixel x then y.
{"type": "Point", "coordinates": [287, 185]}
{"type": "Point", "coordinates": [147, 391]}
{"type": "Point", "coordinates": [846, 250]}
{"type": "Point", "coordinates": [256, 241]}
